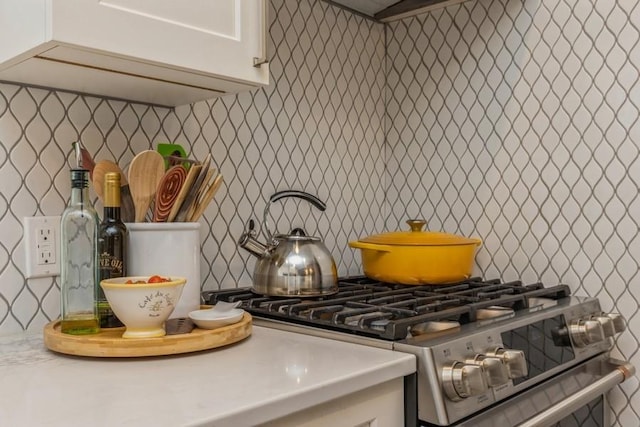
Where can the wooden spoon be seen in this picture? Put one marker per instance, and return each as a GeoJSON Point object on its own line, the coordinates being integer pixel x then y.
{"type": "Point", "coordinates": [127, 210]}
{"type": "Point", "coordinates": [145, 172]}
{"type": "Point", "coordinates": [99, 171]}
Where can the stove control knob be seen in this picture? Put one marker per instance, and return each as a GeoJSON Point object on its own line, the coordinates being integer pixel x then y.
{"type": "Point", "coordinates": [617, 322]}
{"type": "Point", "coordinates": [462, 380]}
{"type": "Point", "coordinates": [608, 327]}
{"type": "Point", "coordinates": [495, 371]}
{"type": "Point", "coordinates": [586, 332]}
{"type": "Point", "coordinates": [514, 360]}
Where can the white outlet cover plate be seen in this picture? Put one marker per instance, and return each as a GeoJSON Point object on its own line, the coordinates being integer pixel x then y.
{"type": "Point", "coordinates": [31, 243]}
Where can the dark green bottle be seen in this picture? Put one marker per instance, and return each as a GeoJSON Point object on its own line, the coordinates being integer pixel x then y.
{"type": "Point", "coordinates": [113, 239]}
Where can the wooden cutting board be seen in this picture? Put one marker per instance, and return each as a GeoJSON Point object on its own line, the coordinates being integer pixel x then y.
{"type": "Point", "coordinates": [109, 342]}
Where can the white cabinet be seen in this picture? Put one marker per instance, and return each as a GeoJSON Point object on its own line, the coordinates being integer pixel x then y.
{"type": "Point", "coordinates": [163, 52]}
{"type": "Point", "coordinates": [378, 406]}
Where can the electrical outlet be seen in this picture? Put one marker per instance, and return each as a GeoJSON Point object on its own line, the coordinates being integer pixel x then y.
{"type": "Point", "coordinates": [41, 243]}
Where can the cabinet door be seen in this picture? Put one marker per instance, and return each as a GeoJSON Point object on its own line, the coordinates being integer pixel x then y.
{"type": "Point", "coordinates": [379, 406]}
{"type": "Point", "coordinates": [219, 37]}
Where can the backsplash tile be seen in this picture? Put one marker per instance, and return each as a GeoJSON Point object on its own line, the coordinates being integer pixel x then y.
{"type": "Point", "coordinates": [521, 127]}
{"type": "Point", "coordinates": [322, 115]}
{"type": "Point", "coordinates": [37, 128]}
{"type": "Point", "coordinates": [514, 121]}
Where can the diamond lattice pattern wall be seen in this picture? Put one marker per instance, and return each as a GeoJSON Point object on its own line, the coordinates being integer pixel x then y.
{"type": "Point", "coordinates": [517, 122]}
{"type": "Point", "coordinates": [317, 127]}
{"type": "Point", "coordinates": [512, 120]}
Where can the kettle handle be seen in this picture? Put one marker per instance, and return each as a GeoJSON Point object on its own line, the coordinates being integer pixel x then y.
{"type": "Point", "coordinates": [289, 193]}
{"type": "Point", "coordinates": [301, 195]}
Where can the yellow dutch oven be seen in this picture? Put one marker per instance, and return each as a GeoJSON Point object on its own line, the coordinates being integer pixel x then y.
{"type": "Point", "coordinates": [417, 257]}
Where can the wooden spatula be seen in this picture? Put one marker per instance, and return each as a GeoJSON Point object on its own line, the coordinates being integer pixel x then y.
{"type": "Point", "coordinates": [206, 198]}
{"type": "Point", "coordinates": [167, 192]}
{"type": "Point", "coordinates": [145, 172]}
{"type": "Point", "coordinates": [181, 216]}
{"type": "Point", "coordinates": [99, 171]}
{"type": "Point", "coordinates": [194, 172]}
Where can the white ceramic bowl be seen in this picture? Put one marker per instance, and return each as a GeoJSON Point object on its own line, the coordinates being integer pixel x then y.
{"type": "Point", "coordinates": [143, 307]}
{"type": "Point", "coordinates": [210, 318]}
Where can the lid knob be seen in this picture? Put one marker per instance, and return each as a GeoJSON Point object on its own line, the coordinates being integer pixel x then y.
{"type": "Point", "coordinates": [416, 224]}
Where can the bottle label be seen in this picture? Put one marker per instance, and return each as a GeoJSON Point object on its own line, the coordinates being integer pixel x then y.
{"type": "Point", "coordinates": [111, 264]}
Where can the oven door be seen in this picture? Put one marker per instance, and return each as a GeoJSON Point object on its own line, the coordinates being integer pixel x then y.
{"type": "Point", "coordinates": [576, 397]}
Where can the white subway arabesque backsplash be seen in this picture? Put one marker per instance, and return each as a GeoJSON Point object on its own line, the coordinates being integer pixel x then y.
{"type": "Point", "coordinates": [317, 127]}
{"type": "Point", "coordinates": [517, 122]}
{"type": "Point", "coordinates": [514, 121]}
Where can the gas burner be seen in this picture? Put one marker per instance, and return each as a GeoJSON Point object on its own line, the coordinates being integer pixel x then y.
{"type": "Point", "coordinates": [434, 329]}
{"type": "Point", "coordinates": [393, 312]}
{"type": "Point", "coordinates": [495, 312]}
{"type": "Point", "coordinates": [540, 303]}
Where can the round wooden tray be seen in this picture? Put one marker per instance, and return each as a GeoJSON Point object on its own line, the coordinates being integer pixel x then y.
{"type": "Point", "coordinates": [109, 342]}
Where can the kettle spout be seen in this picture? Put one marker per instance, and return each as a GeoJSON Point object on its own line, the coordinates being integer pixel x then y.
{"type": "Point", "coordinates": [250, 243]}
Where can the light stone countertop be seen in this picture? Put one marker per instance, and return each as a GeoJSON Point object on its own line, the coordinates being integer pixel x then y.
{"type": "Point", "coordinates": [268, 375]}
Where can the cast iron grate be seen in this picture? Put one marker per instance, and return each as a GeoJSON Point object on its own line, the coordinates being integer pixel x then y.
{"type": "Point", "coordinates": [371, 308]}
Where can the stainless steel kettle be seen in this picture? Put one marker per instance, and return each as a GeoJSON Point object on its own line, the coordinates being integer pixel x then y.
{"type": "Point", "coordinates": [291, 264]}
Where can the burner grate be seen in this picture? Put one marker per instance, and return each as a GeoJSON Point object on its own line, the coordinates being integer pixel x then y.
{"type": "Point", "coordinates": [367, 307]}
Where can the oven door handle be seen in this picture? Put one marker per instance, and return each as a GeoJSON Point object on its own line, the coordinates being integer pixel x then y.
{"type": "Point", "coordinates": [557, 412]}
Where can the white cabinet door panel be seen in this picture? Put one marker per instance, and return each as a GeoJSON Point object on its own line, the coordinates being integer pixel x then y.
{"type": "Point", "coordinates": [220, 40]}
{"type": "Point", "coordinates": [195, 49]}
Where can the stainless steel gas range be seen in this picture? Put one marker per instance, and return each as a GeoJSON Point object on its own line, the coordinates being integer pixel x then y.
{"type": "Point", "coordinates": [489, 353]}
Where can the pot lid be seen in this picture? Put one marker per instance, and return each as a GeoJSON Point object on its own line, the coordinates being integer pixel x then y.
{"type": "Point", "coordinates": [296, 234]}
{"type": "Point", "coordinates": [295, 237]}
{"type": "Point", "coordinates": [417, 237]}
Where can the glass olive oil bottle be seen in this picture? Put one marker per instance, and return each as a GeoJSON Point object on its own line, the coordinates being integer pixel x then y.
{"type": "Point", "coordinates": [113, 239]}
{"type": "Point", "coordinates": [79, 260]}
